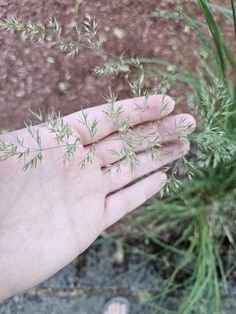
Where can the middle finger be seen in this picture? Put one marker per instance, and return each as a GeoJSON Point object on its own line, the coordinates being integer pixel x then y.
{"type": "Point", "coordinates": [145, 165]}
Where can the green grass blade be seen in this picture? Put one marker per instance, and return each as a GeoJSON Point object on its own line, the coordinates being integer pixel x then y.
{"type": "Point", "coordinates": [219, 8]}
{"type": "Point", "coordinates": [148, 60]}
{"type": "Point", "coordinates": [215, 33]}
{"type": "Point", "coordinates": [234, 16]}
{"type": "Point", "coordinates": [229, 55]}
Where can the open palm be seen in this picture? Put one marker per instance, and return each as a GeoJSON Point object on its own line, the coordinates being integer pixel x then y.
{"type": "Point", "coordinates": [51, 214]}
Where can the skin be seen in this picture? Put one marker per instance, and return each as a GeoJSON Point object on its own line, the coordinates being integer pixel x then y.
{"type": "Point", "coordinates": [116, 308]}
{"type": "Point", "coordinates": [49, 215]}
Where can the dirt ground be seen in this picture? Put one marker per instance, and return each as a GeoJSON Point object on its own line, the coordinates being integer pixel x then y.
{"type": "Point", "coordinates": [31, 75]}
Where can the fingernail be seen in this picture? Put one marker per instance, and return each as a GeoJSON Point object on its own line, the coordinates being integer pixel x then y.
{"type": "Point", "coordinates": [167, 106]}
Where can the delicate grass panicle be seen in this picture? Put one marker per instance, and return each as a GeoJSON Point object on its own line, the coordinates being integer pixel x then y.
{"type": "Point", "coordinates": [52, 32]}
{"type": "Point", "coordinates": [203, 209]}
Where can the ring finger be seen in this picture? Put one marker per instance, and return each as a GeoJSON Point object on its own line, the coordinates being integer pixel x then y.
{"type": "Point", "coordinates": [145, 164]}
{"type": "Point", "coordinates": [113, 148]}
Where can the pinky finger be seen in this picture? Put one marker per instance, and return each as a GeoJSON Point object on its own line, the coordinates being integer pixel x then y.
{"type": "Point", "coordinates": [124, 201]}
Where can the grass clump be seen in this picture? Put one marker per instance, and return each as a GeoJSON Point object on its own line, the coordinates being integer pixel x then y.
{"type": "Point", "coordinates": [203, 210]}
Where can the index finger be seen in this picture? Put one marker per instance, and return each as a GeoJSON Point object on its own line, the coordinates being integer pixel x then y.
{"type": "Point", "coordinates": [134, 110]}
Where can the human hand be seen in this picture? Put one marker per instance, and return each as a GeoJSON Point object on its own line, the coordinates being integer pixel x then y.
{"type": "Point", "coordinates": [51, 214]}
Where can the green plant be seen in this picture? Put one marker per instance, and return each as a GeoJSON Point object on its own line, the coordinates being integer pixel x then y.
{"type": "Point", "coordinates": [52, 32]}
{"type": "Point", "coordinates": [203, 208]}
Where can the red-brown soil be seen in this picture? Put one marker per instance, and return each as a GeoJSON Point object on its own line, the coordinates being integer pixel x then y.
{"type": "Point", "coordinates": [31, 74]}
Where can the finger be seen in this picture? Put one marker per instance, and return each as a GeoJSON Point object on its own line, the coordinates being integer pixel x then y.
{"type": "Point", "coordinates": [124, 201]}
{"type": "Point", "coordinates": [145, 165]}
{"type": "Point", "coordinates": [135, 110]}
{"type": "Point", "coordinates": [112, 148]}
